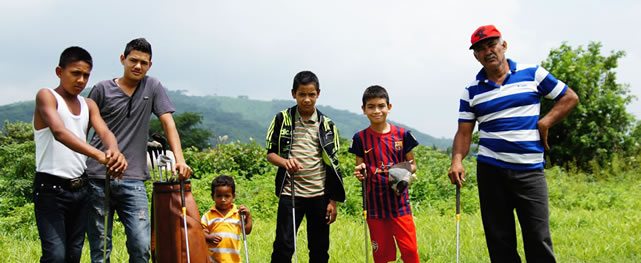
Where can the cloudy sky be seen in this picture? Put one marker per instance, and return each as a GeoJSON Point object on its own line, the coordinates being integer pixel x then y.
{"type": "Point", "coordinates": [418, 50]}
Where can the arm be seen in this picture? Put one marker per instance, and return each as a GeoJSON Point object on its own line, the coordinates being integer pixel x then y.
{"type": "Point", "coordinates": [460, 148]}
{"type": "Point", "coordinates": [169, 126]}
{"type": "Point", "coordinates": [559, 111]}
{"type": "Point", "coordinates": [46, 115]}
{"type": "Point", "coordinates": [117, 163]}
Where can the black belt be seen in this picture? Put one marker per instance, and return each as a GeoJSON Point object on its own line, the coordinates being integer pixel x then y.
{"type": "Point", "coordinates": [49, 180]}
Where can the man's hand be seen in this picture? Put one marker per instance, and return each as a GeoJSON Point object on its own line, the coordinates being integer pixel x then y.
{"type": "Point", "coordinates": [543, 132]}
{"type": "Point", "coordinates": [330, 214]}
{"type": "Point", "coordinates": [457, 173]}
{"type": "Point", "coordinates": [292, 166]}
{"type": "Point", "coordinates": [183, 170]}
{"type": "Point", "coordinates": [357, 171]}
{"type": "Point", "coordinates": [116, 163]}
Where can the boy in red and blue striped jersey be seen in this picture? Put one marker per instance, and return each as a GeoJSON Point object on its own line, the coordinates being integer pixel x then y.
{"type": "Point", "coordinates": [378, 148]}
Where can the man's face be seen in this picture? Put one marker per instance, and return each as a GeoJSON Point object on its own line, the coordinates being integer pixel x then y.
{"type": "Point", "coordinates": [490, 52]}
{"type": "Point", "coordinates": [305, 97]}
{"type": "Point", "coordinates": [376, 110]}
{"type": "Point", "coordinates": [74, 77]}
{"type": "Point", "coordinates": [223, 197]}
{"type": "Point", "coordinates": [136, 65]}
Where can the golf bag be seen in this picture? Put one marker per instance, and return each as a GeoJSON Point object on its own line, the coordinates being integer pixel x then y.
{"type": "Point", "coordinates": [167, 232]}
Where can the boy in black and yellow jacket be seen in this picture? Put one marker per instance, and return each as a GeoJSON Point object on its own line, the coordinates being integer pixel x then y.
{"type": "Point", "coordinates": [303, 143]}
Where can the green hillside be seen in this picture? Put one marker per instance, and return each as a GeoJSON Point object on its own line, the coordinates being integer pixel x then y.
{"type": "Point", "coordinates": [240, 118]}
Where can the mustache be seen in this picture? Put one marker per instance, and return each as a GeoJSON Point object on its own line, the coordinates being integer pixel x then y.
{"type": "Point", "coordinates": [490, 56]}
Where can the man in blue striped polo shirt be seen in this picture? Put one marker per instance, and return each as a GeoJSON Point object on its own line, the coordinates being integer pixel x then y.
{"type": "Point", "coordinates": [505, 100]}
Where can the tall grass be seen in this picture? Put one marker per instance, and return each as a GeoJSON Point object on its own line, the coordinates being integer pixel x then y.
{"type": "Point", "coordinates": [598, 221]}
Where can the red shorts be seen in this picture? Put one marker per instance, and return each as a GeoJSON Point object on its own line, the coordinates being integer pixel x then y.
{"type": "Point", "coordinates": [383, 233]}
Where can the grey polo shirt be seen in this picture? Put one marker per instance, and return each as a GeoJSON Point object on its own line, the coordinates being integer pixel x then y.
{"type": "Point", "coordinates": [128, 118]}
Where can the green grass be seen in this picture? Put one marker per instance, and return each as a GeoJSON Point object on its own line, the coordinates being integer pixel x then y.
{"type": "Point", "coordinates": [591, 221]}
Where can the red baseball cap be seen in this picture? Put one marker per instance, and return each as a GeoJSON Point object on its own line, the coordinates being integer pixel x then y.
{"type": "Point", "coordinates": [484, 32]}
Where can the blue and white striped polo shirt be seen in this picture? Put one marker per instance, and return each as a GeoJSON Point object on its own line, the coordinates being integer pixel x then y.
{"type": "Point", "coordinates": [508, 114]}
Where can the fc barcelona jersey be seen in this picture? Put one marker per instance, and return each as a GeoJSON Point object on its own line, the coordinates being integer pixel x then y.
{"type": "Point", "coordinates": [380, 151]}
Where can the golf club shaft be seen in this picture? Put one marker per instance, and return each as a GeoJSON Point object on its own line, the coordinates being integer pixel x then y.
{"type": "Point", "coordinates": [458, 221]}
{"type": "Point", "coordinates": [105, 211]}
{"type": "Point", "coordinates": [184, 210]}
{"type": "Point", "coordinates": [242, 225]}
{"type": "Point", "coordinates": [363, 193]}
{"type": "Point", "coordinates": [291, 179]}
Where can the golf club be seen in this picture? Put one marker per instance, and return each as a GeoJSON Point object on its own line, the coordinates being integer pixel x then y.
{"type": "Point", "coordinates": [291, 179]}
{"type": "Point", "coordinates": [458, 221]}
{"type": "Point", "coordinates": [363, 193]}
{"type": "Point", "coordinates": [164, 162]}
{"type": "Point", "coordinates": [184, 210]}
{"type": "Point", "coordinates": [106, 212]}
{"type": "Point", "coordinates": [242, 225]}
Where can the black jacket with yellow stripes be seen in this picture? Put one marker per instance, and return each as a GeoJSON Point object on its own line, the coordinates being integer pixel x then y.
{"type": "Point", "coordinates": [279, 141]}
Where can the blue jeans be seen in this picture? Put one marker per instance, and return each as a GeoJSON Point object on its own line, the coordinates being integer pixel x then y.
{"type": "Point", "coordinates": [128, 198]}
{"type": "Point", "coordinates": [60, 217]}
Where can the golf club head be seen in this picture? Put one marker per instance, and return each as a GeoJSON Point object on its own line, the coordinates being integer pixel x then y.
{"type": "Point", "coordinates": [162, 140]}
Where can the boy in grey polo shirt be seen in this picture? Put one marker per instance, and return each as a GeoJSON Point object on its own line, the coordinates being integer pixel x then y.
{"type": "Point", "coordinates": [126, 104]}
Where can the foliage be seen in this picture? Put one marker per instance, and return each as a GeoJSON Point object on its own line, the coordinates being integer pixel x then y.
{"type": "Point", "coordinates": [186, 124]}
{"type": "Point", "coordinates": [600, 126]}
{"type": "Point", "coordinates": [17, 166]}
{"type": "Point", "coordinates": [247, 159]}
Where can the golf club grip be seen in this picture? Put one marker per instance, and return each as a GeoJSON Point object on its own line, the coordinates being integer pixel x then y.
{"type": "Point", "coordinates": [363, 190]}
{"type": "Point", "coordinates": [182, 194]}
{"type": "Point", "coordinates": [458, 200]}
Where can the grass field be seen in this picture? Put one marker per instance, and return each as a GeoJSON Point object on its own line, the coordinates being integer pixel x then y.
{"type": "Point", "coordinates": [591, 221]}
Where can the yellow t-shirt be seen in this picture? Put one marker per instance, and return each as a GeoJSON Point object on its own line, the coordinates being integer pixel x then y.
{"type": "Point", "coordinates": [228, 227]}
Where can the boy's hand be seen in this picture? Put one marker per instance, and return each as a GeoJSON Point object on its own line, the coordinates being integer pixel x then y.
{"type": "Point", "coordinates": [213, 238]}
{"type": "Point", "coordinates": [292, 166]}
{"type": "Point", "coordinates": [331, 213]}
{"type": "Point", "coordinates": [357, 171]}
{"type": "Point", "coordinates": [242, 209]}
{"type": "Point", "coordinates": [116, 163]}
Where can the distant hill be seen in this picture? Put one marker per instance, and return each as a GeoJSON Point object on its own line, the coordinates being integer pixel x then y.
{"type": "Point", "coordinates": [240, 118]}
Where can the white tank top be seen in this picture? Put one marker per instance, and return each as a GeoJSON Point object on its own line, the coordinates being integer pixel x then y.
{"type": "Point", "coordinates": [55, 158]}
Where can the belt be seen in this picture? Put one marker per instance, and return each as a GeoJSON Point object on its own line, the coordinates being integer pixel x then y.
{"type": "Point", "coordinates": [49, 180]}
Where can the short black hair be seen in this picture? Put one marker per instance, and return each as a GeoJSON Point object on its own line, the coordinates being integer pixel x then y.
{"type": "Point", "coordinates": [138, 44]}
{"type": "Point", "coordinates": [74, 54]}
{"type": "Point", "coordinates": [304, 78]}
{"type": "Point", "coordinates": [223, 180]}
{"type": "Point", "coordinates": [375, 92]}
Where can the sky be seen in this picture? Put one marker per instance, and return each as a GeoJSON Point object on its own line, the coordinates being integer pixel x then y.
{"type": "Point", "coordinates": [417, 50]}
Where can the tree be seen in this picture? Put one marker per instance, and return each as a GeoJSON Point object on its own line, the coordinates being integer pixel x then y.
{"type": "Point", "coordinates": [190, 135]}
{"type": "Point", "coordinates": [600, 126]}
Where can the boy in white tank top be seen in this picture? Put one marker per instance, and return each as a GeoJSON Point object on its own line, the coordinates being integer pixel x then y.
{"type": "Point", "coordinates": [60, 122]}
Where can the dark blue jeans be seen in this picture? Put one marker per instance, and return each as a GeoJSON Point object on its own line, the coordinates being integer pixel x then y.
{"type": "Point", "coordinates": [501, 192]}
{"type": "Point", "coordinates": [61, 220]}
{"type": "Point", "coordinates": [317, 229]}
{"type": "Point", "coordinates": [128, 198]}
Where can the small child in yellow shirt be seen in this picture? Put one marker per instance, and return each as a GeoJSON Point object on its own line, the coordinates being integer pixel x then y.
{"type": "Point", "coordinates": [222, 223]}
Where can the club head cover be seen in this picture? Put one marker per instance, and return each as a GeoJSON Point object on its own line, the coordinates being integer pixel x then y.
{"type": "Point", "coordinates": [400, 177]}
